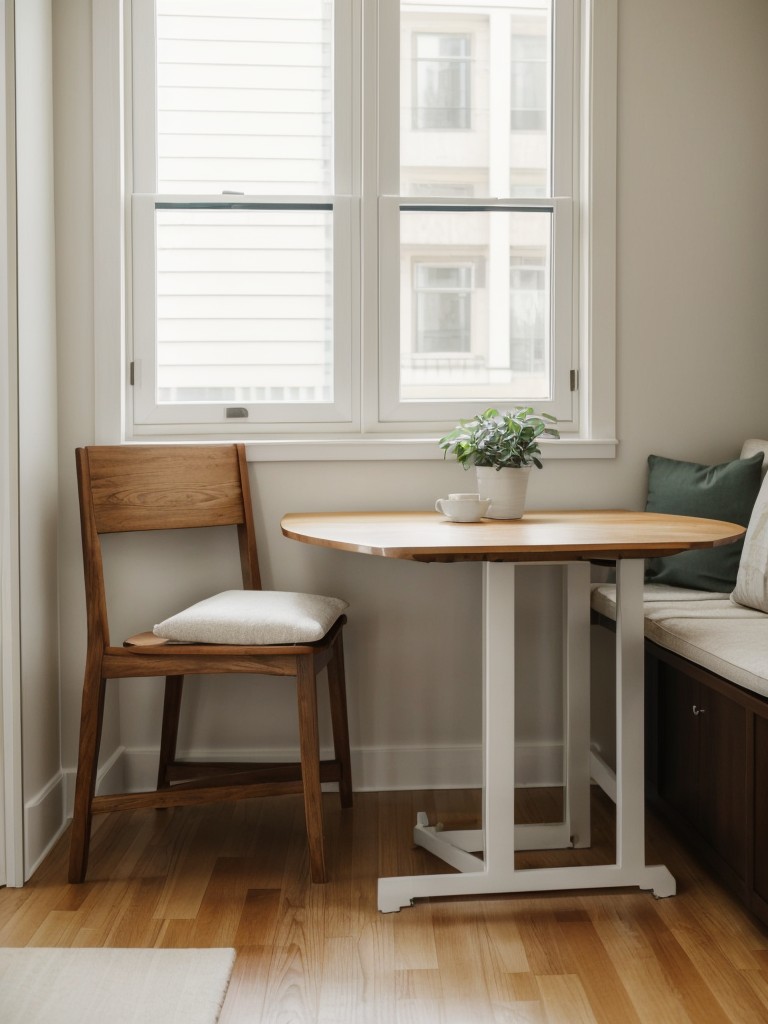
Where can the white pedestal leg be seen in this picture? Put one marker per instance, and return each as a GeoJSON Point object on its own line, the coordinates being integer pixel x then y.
{"type": "Point", "coordinates": [630, 733]}
{"type": "Point", "coordinates": [496, 872]}
{"type": "Point", "coordinates": [577, 701]}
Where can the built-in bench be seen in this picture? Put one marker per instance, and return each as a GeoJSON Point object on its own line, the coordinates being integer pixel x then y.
{"type": "Point", "coordinates": [707, 716]}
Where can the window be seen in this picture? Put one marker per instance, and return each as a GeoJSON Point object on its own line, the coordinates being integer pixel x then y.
{"type": "Point", "coordinates": [441, 81]}
{"type": "Point", "coordinates": [529, 73]}
{"type": "Point", "coordinates": [443, 308]}
{"type": "Point", "coordinates": [527, 314]}
{"type": "Point", "coordinates": [236, 311]}
{"type": "Point", "coordinates": [324, 242]}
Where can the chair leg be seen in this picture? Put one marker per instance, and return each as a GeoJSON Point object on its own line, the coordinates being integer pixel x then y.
{"type": "Point", "coordinates": [174, 686]}
{"type": "Point", "coordinates": [338, 694]}
{"type": "Point", "coordinates": [91, 719]}
{"type": "Point", "coordinates": [309, 742]}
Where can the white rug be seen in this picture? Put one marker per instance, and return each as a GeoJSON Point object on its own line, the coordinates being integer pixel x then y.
{"type": "Point", "coordinates": [113, 986]}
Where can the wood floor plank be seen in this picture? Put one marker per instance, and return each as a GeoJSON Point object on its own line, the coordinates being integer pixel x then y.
{"type": "Point", "coordinates": [193, 850]}
{"type": "Point", "coordinates": [515, 997]}
{"type": "Point", "coordinates": [652, 993]}
{"type": "Point", "coordinates": [376, 964]}
{"type": "Point", "coordinates": [246, 995]}
{"type": "Point", "coordinates": [564, 999]}
{"type": "Point", "coordinates": [339, 887]}
{"type": "Point", "coordinates": [292, 990]}
{"type": "Point", "coordinates": [222, 905]}
{"type": "Point", "coordinates": [540, 932]}
{"type": "Point", "coordinates": [583, 952]}
{"type": "Point", "coordinates": [505, 947]}
{"type": "Point", "coordinates": [258, 919]}
{"type": "Point", "coordinates": [729, 987]}
{"type": "Point", "coordinates": [136, 926]}
{"type": "Point", "coordinates": [459, 941]}
{"type": "Point", "coordinates": [414, 934]}
{"type": "Point", "coordinates": [694, 988]}
{"type": "Point", "coordinates": [341, 998]}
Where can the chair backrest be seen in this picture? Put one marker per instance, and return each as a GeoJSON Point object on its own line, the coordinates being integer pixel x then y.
{"type": "Point", "coordinates": [125, 488]}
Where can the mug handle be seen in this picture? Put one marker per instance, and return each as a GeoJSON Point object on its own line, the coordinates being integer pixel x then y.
{"type": "Point", "coordinates": [439, 506]}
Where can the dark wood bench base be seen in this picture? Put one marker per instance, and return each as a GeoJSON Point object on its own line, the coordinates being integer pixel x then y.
{"type": "Point", "coordinates": [707, 769]}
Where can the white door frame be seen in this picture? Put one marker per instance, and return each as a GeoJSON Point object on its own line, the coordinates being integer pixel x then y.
{"type": "Point", "coordinates": [11, 800]}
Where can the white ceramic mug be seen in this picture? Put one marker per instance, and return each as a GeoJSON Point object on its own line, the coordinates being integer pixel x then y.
{"type": "Point", "coordinates": [464, 509]}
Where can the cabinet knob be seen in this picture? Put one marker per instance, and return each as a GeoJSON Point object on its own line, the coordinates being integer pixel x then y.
{"type": "Point", "coordinates": [698, 711]}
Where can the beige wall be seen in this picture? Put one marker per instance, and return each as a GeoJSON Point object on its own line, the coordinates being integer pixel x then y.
{"type": "Point", "coordinates": [692, 366]}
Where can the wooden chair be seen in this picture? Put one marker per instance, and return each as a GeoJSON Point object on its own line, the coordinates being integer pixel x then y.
{"type": "Point", "coordinates": [165, 487]}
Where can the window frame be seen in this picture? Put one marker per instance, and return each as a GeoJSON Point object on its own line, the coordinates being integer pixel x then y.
{"type": "Point", "coordinates": [144, 406]}
{"type": "Point", "coordinates": [394, 410]}
{"type": "Point", "coordinates": [367, 438]}
{"type": "Point", "coordinates": [146, 410]}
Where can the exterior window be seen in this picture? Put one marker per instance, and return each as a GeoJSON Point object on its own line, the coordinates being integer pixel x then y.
{"type": "Point", "coordinates": [441, 81]}
{"type": "Point", "coordinates": [320, 244]}
{"type": "Point", "coordinates": [443, 307]}
{"type": "Point", "coordinates": [521, 202]}
{"type": "Point", "coordinates": [236, 226]}
{"type": "Point", "coordinates": [527, 314]}
{"type": "Point", "coordinates": [529, 73]}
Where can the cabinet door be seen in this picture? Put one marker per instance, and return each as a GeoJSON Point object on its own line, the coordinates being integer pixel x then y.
{"type": "Point", "coordinates": [723, 769]}
{"type": "Point", "coordinates": [760, 881]}
{"type": "Point", "coordinates": [679, 735]}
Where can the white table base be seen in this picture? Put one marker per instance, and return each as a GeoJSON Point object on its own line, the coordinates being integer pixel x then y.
{"type": "Point", "coordinates": [495, 872]}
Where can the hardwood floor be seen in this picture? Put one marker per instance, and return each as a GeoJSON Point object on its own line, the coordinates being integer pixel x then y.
{"type": "Point", "coordinates": [237, 875]}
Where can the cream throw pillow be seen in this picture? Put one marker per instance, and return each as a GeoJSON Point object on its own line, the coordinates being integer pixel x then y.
{"type": "Point", "coordinates": [752, 579]}
{"type": "Point", "coordinates": [254, 617]}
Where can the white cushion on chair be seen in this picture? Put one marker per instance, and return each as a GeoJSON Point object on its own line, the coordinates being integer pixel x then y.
{"type": "Point", "coordinates": [254, 617]}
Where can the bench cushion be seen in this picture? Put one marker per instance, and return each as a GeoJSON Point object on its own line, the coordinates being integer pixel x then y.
{"type": "Point", "coordinates": [704, 627]}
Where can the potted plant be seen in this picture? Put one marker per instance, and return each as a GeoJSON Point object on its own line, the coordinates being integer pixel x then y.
{"type": "Point", "coordinates": [493, 442]}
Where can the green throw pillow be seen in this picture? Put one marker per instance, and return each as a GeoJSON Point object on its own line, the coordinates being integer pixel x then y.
{"type": "Point", "coordinates": [727, 492]}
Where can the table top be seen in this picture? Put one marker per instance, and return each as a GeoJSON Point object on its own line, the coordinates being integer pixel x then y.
{"type": "Point", "coordinates": [593, 535]}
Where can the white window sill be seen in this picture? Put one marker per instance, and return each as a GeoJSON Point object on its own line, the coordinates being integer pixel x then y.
{"type": "Point", "coordinates": [369, 449]}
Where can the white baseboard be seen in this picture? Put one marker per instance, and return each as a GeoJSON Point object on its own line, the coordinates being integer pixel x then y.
{"type": "Point", "coordinates": [374, 769]}
{"type": "Point", "coordinates": [47, 814]}
{"type": "Point", "coordinates": [44, 821]}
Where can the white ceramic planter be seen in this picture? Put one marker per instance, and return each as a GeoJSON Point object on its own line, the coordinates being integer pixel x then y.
{"type": "Point", "coordinates": [506, 488]}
